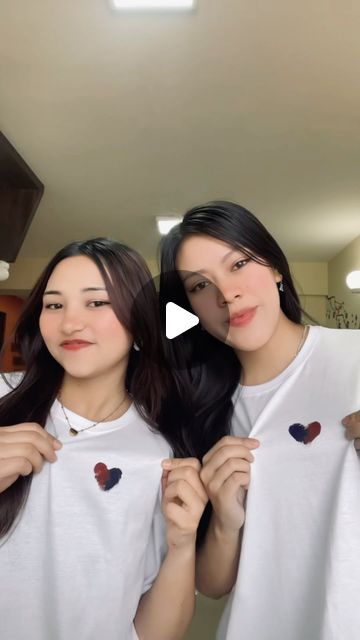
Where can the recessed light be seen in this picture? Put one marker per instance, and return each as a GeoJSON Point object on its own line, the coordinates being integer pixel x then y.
{"type": "Point", "coordinates": [153, 4]}
{"type": "Point", "coordinates": [165, 223]}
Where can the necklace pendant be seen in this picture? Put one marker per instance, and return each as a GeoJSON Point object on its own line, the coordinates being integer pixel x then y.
{"type": "Point", "coordinates": [73, 432]}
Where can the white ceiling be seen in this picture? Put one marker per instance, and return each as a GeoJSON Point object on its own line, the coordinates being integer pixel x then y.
{"type": "Point", "coordinates": [125, 117]}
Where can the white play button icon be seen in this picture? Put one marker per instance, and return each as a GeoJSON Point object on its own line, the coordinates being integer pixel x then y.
{"type": "Point", "coordinates": [178, 320]}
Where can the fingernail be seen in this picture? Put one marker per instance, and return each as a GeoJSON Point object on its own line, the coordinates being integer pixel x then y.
{"type": "Point", "coordinates": [166, 464]}
{"type": "Point", "coordinates": [346, 420]}
{"type": "Point", "coordinates": [57, 444]}
{"type": "Point", "coordinates": [253, 441]}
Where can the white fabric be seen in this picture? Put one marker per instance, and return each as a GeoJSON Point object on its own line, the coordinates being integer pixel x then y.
{"type": "Point", "coordinates": [80, 557]}
{"type": "Point", "coordinates": [299, 571]}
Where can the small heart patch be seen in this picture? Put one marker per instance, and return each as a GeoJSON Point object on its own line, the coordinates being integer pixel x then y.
{"type": "Point", "coordinates": [107, 478]}
{"type": "Point", "coordinates": [305, 434]}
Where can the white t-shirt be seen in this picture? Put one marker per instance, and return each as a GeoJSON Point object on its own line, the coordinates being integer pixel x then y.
{"type": "Point", "coordinates": [299, 570]}
{"type": "Point", "coordinates": [81, 556]}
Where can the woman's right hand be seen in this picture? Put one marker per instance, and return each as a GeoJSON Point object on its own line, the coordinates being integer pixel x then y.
{"type": "Point", "coordinates": [226, 476]}
{"type": "Point", "coordinates": [23, 450]}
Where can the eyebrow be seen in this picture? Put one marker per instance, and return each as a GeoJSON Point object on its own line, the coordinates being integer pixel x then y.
{"type": "Point", "coordinates": [203, 271]}
{"type": "Point", "coordinates": [58, 293]}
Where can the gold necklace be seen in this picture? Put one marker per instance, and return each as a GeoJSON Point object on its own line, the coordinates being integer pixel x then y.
{"type": "Point", "coordinates": [75, 432]}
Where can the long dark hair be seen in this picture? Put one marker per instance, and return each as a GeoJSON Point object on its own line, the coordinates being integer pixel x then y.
{"type": "Point", "coordinates": [207, 371]}
{"type": "Point", "coordinates": [134, 300]}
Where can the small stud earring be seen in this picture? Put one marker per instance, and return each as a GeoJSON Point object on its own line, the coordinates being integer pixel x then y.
{"type": "Point", "coordinates": [136, 347]}
{"type": "Point", "coordinates": [281, 286]}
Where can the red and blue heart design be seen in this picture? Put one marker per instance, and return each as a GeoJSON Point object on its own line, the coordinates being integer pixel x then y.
{"type": "Point", "coordinates": [107, 478]}
{"type": "Point", "coordinates": [305, 434]}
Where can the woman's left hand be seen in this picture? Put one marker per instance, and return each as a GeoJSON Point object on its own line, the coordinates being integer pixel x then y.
{"type": "Point", "coordinates": [184, 500]}
{"type": "Point", "coordinates": [352, 427]}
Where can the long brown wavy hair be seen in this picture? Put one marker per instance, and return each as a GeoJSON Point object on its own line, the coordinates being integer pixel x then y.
{"type": "Point", "coordinates": [134, 300]}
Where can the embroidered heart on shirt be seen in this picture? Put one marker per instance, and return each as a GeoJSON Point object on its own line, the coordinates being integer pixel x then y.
{"type": "Point", "coordinates": [107, 478]}
{"type": "Point", "coordinates": [305, 434]}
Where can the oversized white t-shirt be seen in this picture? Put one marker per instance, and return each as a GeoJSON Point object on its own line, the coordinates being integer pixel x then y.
{"type": "Point", "coordinates": [86, 548]}
{"type": "Point", "coordinates": [299, 570]}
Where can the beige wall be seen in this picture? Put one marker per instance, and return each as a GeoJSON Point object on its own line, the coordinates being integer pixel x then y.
{"type": "Point", "coordinates": [311, 282]}
{"type": "Point", "coordinates": [344, 301]}
{"type": "Point", "coordinates": [23, 275]}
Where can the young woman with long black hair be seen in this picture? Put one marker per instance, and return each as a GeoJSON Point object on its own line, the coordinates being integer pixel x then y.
{"type": "Point", "coordinates": [90, 548]}
{"type": "Point", "coordinates": [262, 400]}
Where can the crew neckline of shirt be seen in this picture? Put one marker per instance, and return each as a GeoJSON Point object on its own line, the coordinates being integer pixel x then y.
{"type": "Point", "coordinates": [257, 389]}
{"type": "Point", "coordinates": [79, 422]}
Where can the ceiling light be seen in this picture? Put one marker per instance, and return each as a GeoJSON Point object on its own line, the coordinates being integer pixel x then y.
{"type": "Point", "coordinates": [153, 4]}
{"type": "Point", "coordinates": [165, 223]}
{"type": "Point", "coordinates": [353, 281]}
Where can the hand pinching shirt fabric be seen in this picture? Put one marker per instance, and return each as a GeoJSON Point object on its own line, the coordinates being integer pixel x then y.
{"type": "Point", "coordinates": [299, 570]}
{"type": "Point", "coordinates": [92, 528]}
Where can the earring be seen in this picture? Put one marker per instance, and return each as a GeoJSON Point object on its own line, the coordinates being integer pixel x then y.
{"type": "Point", "coordinates": [281, 286]}
{"type": "Point", "coordinates": [136, 347]}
